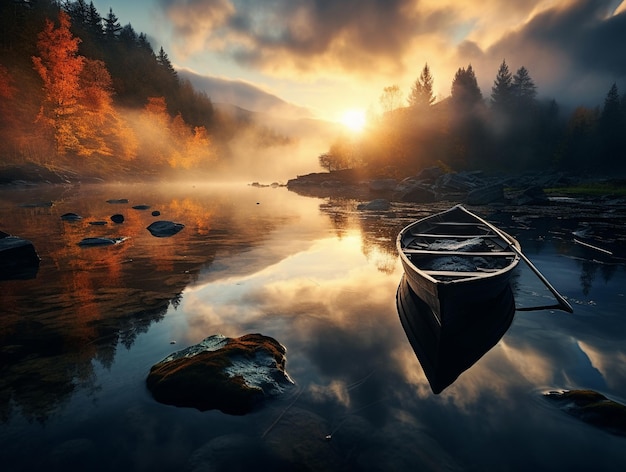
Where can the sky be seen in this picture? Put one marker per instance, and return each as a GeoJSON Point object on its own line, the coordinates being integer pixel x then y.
{"type": "Point", "coordinates": [332, 56]}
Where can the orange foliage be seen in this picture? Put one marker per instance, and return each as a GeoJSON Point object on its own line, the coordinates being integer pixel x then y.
{"type": "Point", "coordinates": [59, 66]}
{"type": "Point", "coordinates": [7, 91]}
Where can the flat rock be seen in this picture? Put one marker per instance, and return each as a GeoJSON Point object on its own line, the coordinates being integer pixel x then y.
{"type": "Point", "coordinates": [100, 241]}
{"type": "Point", "coordinates": [233, 375]}
{"type": "Point", "coordinates": [163, 229]}
{"type": "Point", "coordinates": [71, 217]}
{"type": "Point", "coordinates": [379, 204]}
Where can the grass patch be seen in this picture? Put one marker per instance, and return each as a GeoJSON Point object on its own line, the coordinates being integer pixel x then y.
{"type": "Point", "coordinates": [596, 189]}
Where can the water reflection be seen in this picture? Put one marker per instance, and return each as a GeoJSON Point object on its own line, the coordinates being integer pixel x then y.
{"type": "Point", "coordinates": [87, 301]}
{"type": "Point", "coordinates": [444, 352]}
{"type": "Point", "coordinates": [320, 277]}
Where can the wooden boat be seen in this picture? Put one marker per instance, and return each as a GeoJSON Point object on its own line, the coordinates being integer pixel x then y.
{"type": "Point", "coordinates": [445, 352]}
{"type": "Point", "coordinates": [454, 258]}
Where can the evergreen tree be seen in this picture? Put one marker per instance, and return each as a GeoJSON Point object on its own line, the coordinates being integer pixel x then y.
{"type": "Point", "coordinates": [611, 128]}
{"type": "Point", "coordinates": [421, 95]}
{"type": "Point", "coordinates": [112, 26]}
{"type": "Point", "coordinates": [524, 89]}
{"type": "Point", "coordinates": [501, 92]}
{"type": "Point", "coordinates": [164, 61]}
{"type": "Point", "coordinates": [465, 91]}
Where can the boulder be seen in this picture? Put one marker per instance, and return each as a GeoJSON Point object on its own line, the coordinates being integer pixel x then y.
{"type": "Point", "coordinates": [485, 195]}
{"type": "Point", "coordinates": [18, 258]}
{"type": "Point", "coordinates": [233, 375]}
{"type": "Point", "coordinates": [592, 408]}
{"type": "Point", "coordinates": [533, 196]}
{"type": "Point", "coordinates": [418, 194]}
{"type": "Point", "coordinates": [117, 218]}
{"type": "Point", "coordinates": [380, 204]}
{"type": "Point", "coordinates": [382, 185]}
{"type": "Point", "coordinates": [164, 229]}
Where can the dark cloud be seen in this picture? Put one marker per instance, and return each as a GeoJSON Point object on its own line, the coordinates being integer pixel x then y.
{"type": "Point", "coordinates": [354, 35]}
{"type": "Point", "coordinates": [573, 52]}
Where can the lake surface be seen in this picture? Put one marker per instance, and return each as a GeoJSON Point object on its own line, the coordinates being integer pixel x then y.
{"type": "Point", "coordinates": [78, 339]}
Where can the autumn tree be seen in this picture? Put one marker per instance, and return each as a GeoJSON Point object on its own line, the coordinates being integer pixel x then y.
{"type": "Point", "coordinates": [421, 95]}
{"type": "Point", "coordinates": [390, 99]}
{"type": "Point", "coordinates": [59, 67]}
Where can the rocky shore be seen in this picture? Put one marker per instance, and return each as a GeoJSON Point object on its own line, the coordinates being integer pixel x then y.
{"type": "Point", "coordinates": [433, 184]}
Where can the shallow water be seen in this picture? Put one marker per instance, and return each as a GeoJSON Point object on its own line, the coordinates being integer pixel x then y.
{"type": "Point", "coordinates": [78, 340]}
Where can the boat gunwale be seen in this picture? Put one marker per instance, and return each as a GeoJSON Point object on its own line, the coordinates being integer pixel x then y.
{"type": "Point", "coordinates": [460, 279]}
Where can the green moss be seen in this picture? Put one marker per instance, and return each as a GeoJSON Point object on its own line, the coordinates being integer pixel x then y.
{"type": "Point", "coordinates": [594, 189]}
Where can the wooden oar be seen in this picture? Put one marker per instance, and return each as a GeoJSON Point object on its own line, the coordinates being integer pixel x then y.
{"type": "Point", "coordinates": [563, 304]}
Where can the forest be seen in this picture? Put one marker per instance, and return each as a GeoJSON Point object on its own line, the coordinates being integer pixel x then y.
{"type": "Point", "coordinates": [511, 130]}
{"type": "Point", "coordinates": [79, 90]}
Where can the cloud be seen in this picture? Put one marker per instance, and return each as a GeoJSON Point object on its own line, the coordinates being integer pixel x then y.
{"type": "Point", "coordinates": [569, 49]}
{"type": "Point", "coordinates": [307, 36]}
{"type": "Point", "coordinates": [569, 46]}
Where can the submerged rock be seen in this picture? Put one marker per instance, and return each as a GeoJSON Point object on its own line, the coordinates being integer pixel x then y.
{"type": "Point", "coordinates": [117, 218]}
{"type": "Point", "coordinates": [141, 207]}
{"type": "Point", "coordinates": [18, 258]}
{"type": "Point", "coordinates": [593, 408]}
{"type": "Point", "coordinates": [379, 204]}
{"type": "Point", "coordinates": [118, 201]}
{"type": "Point", "coordinates": [233, 375]}
{"type": "Point", "coordinates": [71, 217]}
{"type": "Point", "coordinates": [100, 241]}
{"type": "Point", "coordinates": [163, 229]}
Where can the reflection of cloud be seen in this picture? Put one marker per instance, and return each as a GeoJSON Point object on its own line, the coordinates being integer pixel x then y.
{"type": "Point", "coordinates": [336, 390]}
{"type": "Point", "coordinates": [613, 363]}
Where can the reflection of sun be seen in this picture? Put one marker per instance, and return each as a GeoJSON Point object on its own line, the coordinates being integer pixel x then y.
{"type": "Point", "coordinates": [354, 119]}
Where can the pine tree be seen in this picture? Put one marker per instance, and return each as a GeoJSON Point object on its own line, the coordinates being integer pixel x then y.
{"type": "Point", "coordinates": [611, 127]}
{"type": "Point", "coordinates": [164, 61]}
{"type": "Point", "coordinates": [501, 92]}
{"type": "Point", "coordinates": [112, 26]}
{"type": "Point", "coordinates": [523, 88]}
{"type": "Point", "coordinates": [465, 90]}
{"type": "Point", "coordinates": [421, 95]}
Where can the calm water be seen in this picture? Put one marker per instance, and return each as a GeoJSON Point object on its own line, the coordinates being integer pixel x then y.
{"type": "Point", "coordinates": [78, 340]}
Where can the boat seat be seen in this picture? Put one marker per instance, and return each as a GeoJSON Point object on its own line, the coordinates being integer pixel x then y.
{"type": "Point", "coordinates": [425, 252]}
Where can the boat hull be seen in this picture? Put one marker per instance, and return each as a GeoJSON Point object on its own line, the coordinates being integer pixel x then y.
{"type": "Point", "coordinates": [445, 352]}
{"type": "Point", "coordinates": [447, 294]}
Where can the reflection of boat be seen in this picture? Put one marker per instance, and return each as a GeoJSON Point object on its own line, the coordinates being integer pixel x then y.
{"type": "Point", "coordinates": [453, 258]}
{"type": "Point", "coordinates": [446, 352]}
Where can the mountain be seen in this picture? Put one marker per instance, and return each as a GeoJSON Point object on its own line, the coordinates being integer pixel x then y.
{"type": "Point", "coordinates": [243, 95]}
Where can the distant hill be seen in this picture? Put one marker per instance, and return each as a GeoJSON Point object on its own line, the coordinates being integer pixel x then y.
{"type": "Point", "coordinates": [244, 95]}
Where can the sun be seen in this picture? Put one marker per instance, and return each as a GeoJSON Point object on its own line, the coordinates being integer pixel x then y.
{"type": "Point", "coordinates": [354, 119]}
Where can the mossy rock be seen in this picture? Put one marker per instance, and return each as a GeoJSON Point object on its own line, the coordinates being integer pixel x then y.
{"type": "Point", "coordinates": [234, 376]}
{"type": "Point", "coordinates": [592, 408]}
